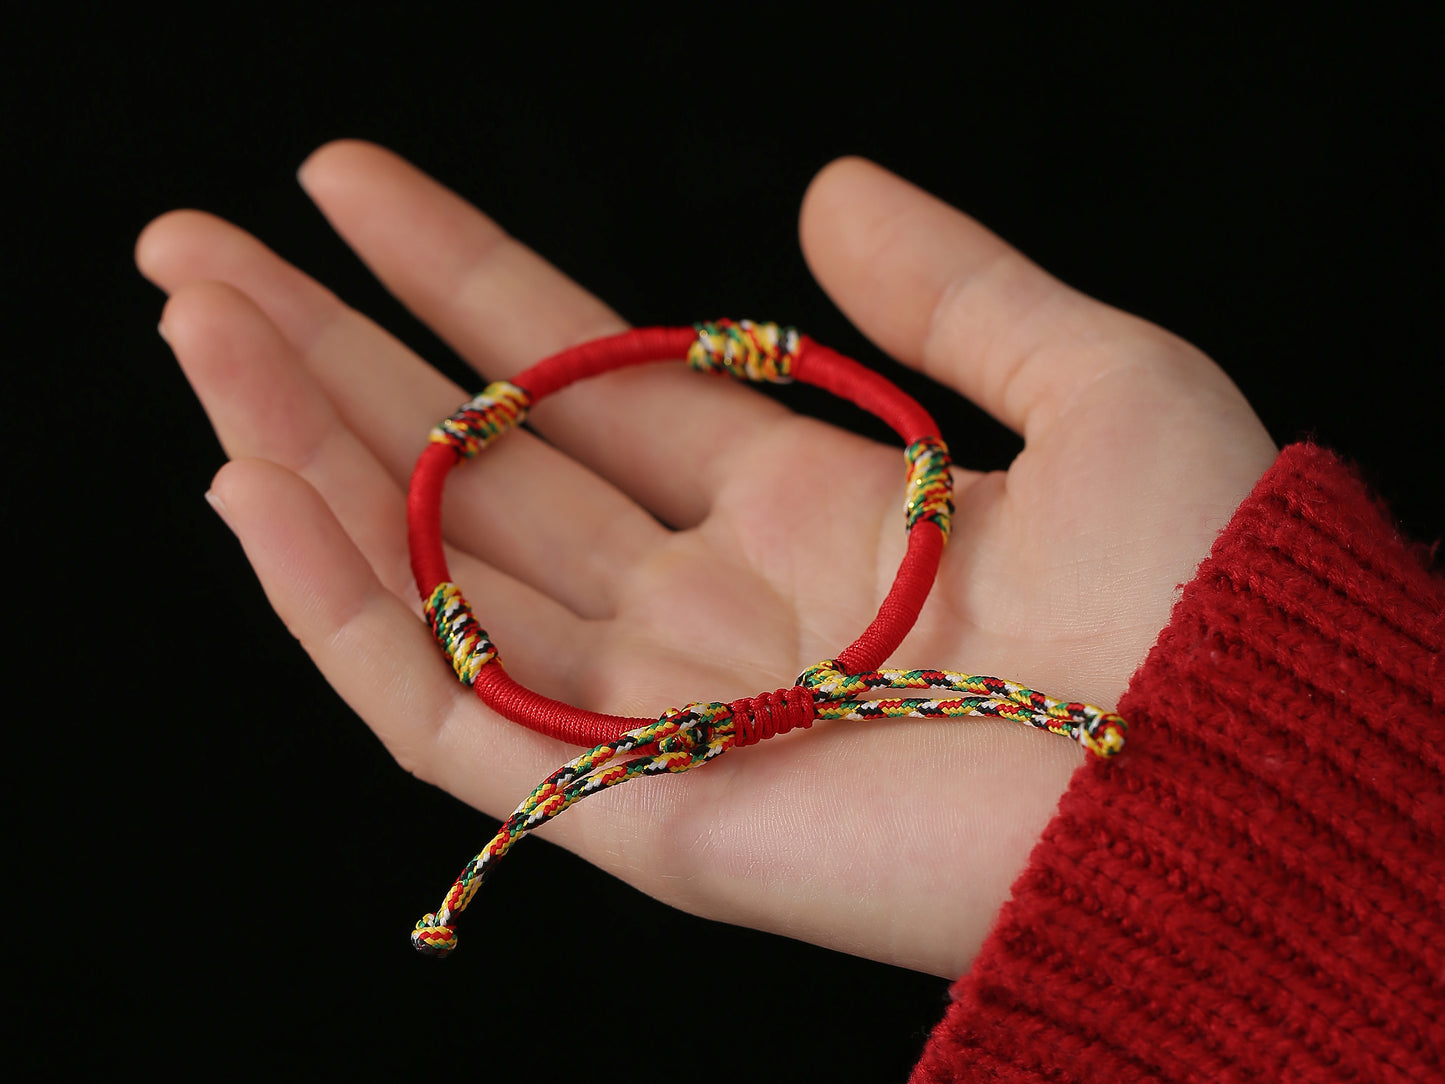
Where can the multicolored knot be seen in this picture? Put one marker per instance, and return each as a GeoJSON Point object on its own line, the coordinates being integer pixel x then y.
{"type": "Point", "coordinates": [749, 351]}
{"type": "Point", "coordinates": [930, 484]}
{"type": "Point", "coordinates": [683, 738]}
{"type": "Point", "coordinates": [467, 646]}
{"type": "Point", "coordinates": [495, 409]}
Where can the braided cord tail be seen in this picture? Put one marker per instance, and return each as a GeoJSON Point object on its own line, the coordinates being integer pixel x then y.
{"type": "Point", "coordinates": [1100, 732]}
{"type": "Point", "coordinates": [683, 738]}
{"type": "Point", "coordinates": [679, 740]}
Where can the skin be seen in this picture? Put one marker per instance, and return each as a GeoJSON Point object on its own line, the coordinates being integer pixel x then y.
{"type": "Point", "coordinates": [626, 588]}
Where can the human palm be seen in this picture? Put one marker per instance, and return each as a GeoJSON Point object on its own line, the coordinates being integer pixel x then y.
{"type": "Point", "coordinates": [677, 538]}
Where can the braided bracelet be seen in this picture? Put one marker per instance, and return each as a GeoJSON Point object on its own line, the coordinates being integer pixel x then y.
{"type": "Point", "coordinates": [622, 748]}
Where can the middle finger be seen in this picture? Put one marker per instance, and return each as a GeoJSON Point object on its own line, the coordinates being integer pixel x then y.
{"type": "Point", "coordinates": [502, 307]}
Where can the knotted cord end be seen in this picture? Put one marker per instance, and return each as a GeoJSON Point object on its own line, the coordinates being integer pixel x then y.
{"type": "Point", "coordinates": [432, 938]}
{"type": "Point", "coordinates": [1104, 736]}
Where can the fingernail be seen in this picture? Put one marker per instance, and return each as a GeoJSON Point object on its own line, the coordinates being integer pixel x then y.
{"type": "Point", "coordinates": [301, 174]}
{"type": "Point", "coordinates": [220, 508]}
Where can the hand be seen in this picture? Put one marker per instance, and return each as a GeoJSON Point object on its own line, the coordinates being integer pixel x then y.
{"type": "Point", "coordinates": [895, 840]}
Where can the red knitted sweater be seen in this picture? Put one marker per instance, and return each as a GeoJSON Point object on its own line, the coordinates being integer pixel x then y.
{"type": "Point", "coordinates": [1253, 891]}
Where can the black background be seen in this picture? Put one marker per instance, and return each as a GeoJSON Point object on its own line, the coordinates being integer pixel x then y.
{"type": "Point", "coordinates": [215, 863]}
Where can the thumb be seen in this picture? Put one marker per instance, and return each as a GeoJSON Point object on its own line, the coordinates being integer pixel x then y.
{"type": "Point", "coordinates": [939, 292]}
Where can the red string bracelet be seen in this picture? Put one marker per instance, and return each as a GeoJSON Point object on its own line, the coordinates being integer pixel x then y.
{"type": "Point", "coordinates": [622, 748]}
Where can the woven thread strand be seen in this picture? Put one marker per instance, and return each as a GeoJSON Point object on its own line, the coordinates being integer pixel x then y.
{"type": "Point", "coordinates": [465, 642]}
{"type": "Point", "coordinates": [930, 484]}
{"type": "Point", "coordinates": [838, 693]}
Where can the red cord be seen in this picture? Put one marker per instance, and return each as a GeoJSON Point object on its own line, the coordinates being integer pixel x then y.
{"type": "Point", "coordinates": [825, 368]}
{"type": "Point", "coordinates": [576, 726]}
{"type": "Point", "coordinates": [423, 515]}
{"type": "Point", "coordinates": [814, 364]}
{"type": "Point", "coordinates": [636, 347]}
{"type": "Point", "coordinates": [900, 609]}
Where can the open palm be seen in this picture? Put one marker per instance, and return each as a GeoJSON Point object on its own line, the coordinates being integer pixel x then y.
{"type": "Point", "coordinates": [677, 538]}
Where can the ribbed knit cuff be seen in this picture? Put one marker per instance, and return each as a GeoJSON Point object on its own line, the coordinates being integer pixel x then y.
{"type": "Point", "coordinates": [1253, 890]}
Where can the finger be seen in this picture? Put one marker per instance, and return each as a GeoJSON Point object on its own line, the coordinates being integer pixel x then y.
{"type": "Point", "coordinates": [939, 292]}
{"type": "Point", "coordinates": [380, 657]}
{"type": "Point", "coordinates": [502, 308]}
{"type": "Point", "coordinates": [385, 393]}
{"type": "Point", "coordinates": [262, 404]}
{"type": "Point", "coordinates": [349, 377]}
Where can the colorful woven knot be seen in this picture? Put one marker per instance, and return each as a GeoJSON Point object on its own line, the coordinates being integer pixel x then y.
{"type": "Point", "coordinates": [467, 646]}
{"type": "Point", "coordinates": [495, 409]}
{"type": "Point", "coordinates": [749, 351]}
{"type": "Point", "coordinates": [930, 484]}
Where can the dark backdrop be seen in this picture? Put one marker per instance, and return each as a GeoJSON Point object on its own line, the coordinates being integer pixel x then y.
{"type": "Point", "coordinates": [214, 860]}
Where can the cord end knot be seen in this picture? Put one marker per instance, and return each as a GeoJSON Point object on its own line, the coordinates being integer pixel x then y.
{"type": "Point", "coordinates": [432, 938]}
{"type": "Point", "coordinates": [1104, 736]}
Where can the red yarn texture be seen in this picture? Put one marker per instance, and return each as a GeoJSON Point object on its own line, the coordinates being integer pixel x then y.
{"type": "Point", "coordinates": [1253, 890]}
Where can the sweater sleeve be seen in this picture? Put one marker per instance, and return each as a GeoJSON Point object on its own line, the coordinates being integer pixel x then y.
{"type": "Point", "coordinates": [1253, 890]}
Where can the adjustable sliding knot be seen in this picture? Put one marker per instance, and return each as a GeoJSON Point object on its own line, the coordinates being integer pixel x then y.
{"type": "Point", "coordinates": [483, 418]}
{"type": "Point", "coordinates": [467, 646]}
{"type": "Point", "coordinates": [769, 714]}
{"type": "Point", "coordinates": [749, 351]}
{"type": "Point", "coordinates": [712, 729]}
{"type": "Point", "coordinates": [930, 484]}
